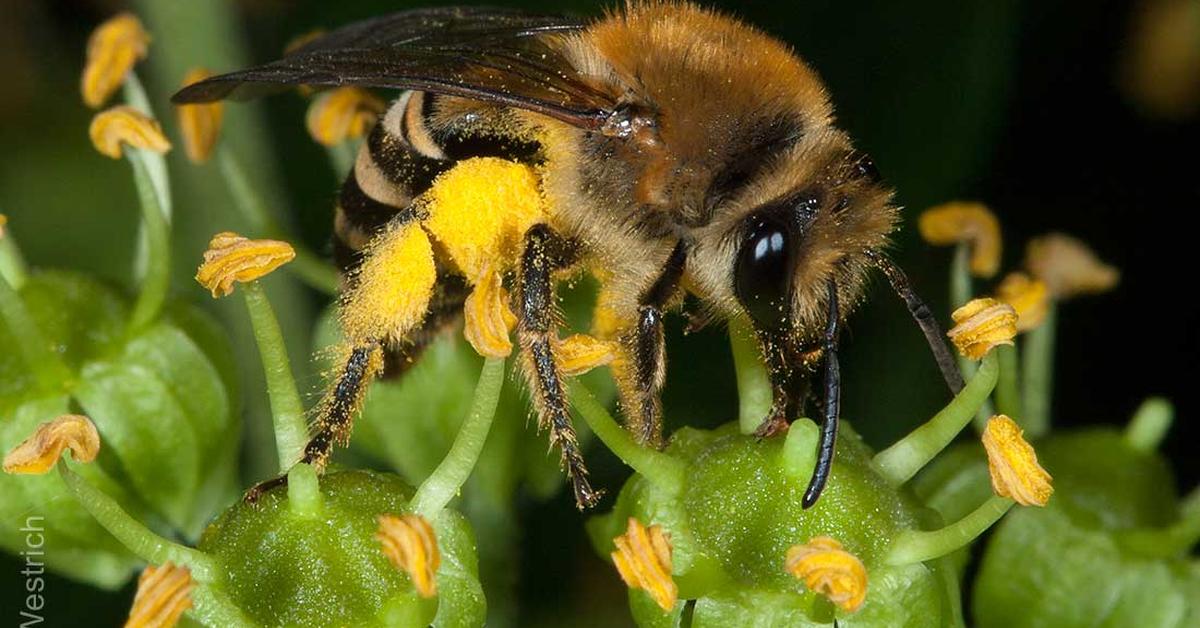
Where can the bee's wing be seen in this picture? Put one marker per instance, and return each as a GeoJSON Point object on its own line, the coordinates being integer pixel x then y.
{"type": "Point", "coordinates": [495, 55]}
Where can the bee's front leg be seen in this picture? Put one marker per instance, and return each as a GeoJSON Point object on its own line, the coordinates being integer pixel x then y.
{"type": "Point", "coordinates": [535, 329]}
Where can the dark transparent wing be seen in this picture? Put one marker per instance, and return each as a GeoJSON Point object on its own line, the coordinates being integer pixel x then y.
{"type": "Point", "coordinates": [495, 55]}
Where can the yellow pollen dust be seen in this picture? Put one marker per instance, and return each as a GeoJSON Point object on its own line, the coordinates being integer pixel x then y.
{"type": "Point", "coordinates": [488, 320]}
{"type": "Point", "coordinates": [200, 125]}
{"type": "Point", "coordinates": [113, 49]}
{"type": "Point", "coordinates": [1027, 296]}
{"type": "Point", "coordinates": [163, 594]}
{"type": "Point", "coordinates": [1013, 464]}
{"type": "Point", "coordinates": [825, 567]}
{"type": "Point", "coordinates": [341, 114]}
{"type": "Point", "coordinates": [1068, 267]}
{"type": "Point", "coordinates": [643, 559]}
{"type": "Point", "coordinates": [39, 453]}
{"type": "Point", "coordinates": [972, 223]}
{"type": "Point", "coordinates": [390, 293]}
{"type": "Point", "coordinates": [580, 353]}
{"type": "Point", "coordinates": [231, 258]}
{"type": "Point", "coordinates": [410, 544]}
{"type": "Point", "coordinates": [480, 209]}
{"type": "Point", "coordinates": [113, 128]}
{"type": "Point", "coordinates": [982, 324]}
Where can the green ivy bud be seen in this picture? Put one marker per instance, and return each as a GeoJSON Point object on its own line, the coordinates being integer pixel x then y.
{"type": "Point", "coordinates": [159, 395]}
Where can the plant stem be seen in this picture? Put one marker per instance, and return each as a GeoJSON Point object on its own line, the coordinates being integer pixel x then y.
{"type": "Point", "coordinates": [12, 265]}
{"type": "Point", "coordinates": [287, 411]}
{"type": "Point", "coordinates": [156, 280]}
{"type": "Point", "coordinates": [961, 291]}
{"type": "Point", "coordinates": [342, 156]}
{"type": "Point", "coordinates": [214, 608]}
{"type": "Point", "coordinates": [1008, 393]}
{"type": "Point", "coordinates": [307, 266]}
{"type": "Point", "coordinates": [902, 460]}
{"type": "Point", "coordinates": [448, 478]}
{"type": "Point", "coordinates": [655, 466]}
{"type": "Point", "coordinates": [132, 534]}
{"type": "Point", "coordinates": [1149, 424]}
{"type": "Point", "coordinates": [1038, 373]}
{"type": "Point", "coordinates": [754, 386]}
{"type": "Point", "coordinates": [913, 546]}
{"type": "Point", "coordinates": [48, 369]}
{"type": "Point", "coordinates": [304, 492]}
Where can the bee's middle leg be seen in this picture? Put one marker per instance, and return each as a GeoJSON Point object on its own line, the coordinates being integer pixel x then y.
{"type": "Point", "coordinates": [535, 329]}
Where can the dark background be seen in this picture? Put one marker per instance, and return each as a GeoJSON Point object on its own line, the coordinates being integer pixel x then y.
{"type": "Point", "coordinates": [1017, 104]}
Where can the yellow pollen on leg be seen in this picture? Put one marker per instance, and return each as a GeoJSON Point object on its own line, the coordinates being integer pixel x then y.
{"type": "Point", "coordinates": [39, 453]}
{"type": "Point", "coordinates": [163, 594]}
{"type": "Point", "coordinates": [488, 320]}
{"type": "Point", "coordinates": [982, 324]}
{"type": "Point", "coordinates": [1013, 464]}
{"type": "Point", "coordinates": [643, 559]}
{"type": "Point", "coordinates": [112, 51]}
{"type": "Point", "coordinates": [825, 567]}
{"type": "Point", "coordinates": [580, 353]}
{"type": "Point", "coordinates": [391, 291]}
{"type": "Point", "coordinates": [410, 544]}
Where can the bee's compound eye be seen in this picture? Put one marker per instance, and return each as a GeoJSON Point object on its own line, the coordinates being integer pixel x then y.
{"type": "Point", "coordinates": [762, 273]}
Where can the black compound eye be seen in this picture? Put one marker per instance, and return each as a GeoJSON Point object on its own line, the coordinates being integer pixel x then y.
{"type": "Point", "coordinates": [762, 273]}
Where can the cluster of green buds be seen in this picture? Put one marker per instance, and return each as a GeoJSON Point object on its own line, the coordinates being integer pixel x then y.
{"type": "Point", "coordinates": [1113, 547]}
{"type": "Point", "coordinates": [155, 376]}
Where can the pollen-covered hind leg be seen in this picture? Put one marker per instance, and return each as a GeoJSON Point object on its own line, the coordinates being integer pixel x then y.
{"type": "Point", "coordinates": [535, 328]}
{"type": "Point", "coordinates": [336, 413]}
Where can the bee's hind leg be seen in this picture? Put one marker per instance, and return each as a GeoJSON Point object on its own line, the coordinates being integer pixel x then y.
{"type": "Point", "coordinates": [535, 329]}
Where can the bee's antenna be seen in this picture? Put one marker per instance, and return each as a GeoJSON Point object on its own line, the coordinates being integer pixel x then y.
{"type": "Point", "coordinates": [833, 402]}
{"type": "Point", "coordinates": [924, 318]}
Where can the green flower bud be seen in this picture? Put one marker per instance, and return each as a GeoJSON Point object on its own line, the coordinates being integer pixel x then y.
{"type": "Point", "coordinates": [159, 395]}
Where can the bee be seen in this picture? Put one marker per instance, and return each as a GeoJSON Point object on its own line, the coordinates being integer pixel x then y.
{"type": "Point", "coordinates": [674, 151]}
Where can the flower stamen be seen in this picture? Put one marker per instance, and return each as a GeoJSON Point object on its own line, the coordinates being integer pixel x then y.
{"type": "Point", "coordinates": [410, 543]}
{"type": "Point", "coordinates": [488, 320]}
{"type": "Point", "coordinates": [1027, 296]}
{"type": "Point", "coordinates": [643, 559]}
{"type": "Point", "coordinates": [825, 567]}
{"type": "Point", "coordinates": [113, 49]}
{"type": "Point", "coordinates": [232, 258]}
{"type": "Point", "coordinates": [1068, 267]}
{"type": "Point", "coordinates": [970, 223]}
{"type": "Point", "coordinates": [113, 128]}
{"type": "Point", "coordinates": [200, 125]}
{"type": "Point", "coordinates": [1013, 464]}
{"type": "Point", "coordinates": [982, 324]}
{"type": "Point", "coordinates": [341, 114]}
{"type": "Point", "coordinates": [39, 453]}
{"type": "Point", "coordinates": [163, 594]}
{"type": "Point", "coordinates": [580, 353]}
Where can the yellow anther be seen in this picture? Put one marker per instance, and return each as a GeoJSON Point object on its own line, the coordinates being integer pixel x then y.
{"type": "Point", "coordinates": [1068, 267]}
{"type": "Point", "coordinates": [341, 114]}
{"type": "Point", "coordinates": [982, 324]}
{"type": "Point", "coordinates": [828, 569]}
{"type": "Point", "coordinates": [163, 594]}
{"type": "Point", "coordinates": [580, 353]}
{"type": "Point", "coordinates": [410, 543]}
{"type": "Point", "coordinates": [488, 320]}
{"type": "Point", "coordinates": [232, 258]}
{"type": "Point", "coordinates": [200, 125]}
{"type": "Point", "coordinates": [113, 49]}
{"type": "Point", "coordinates": [959, 222]}
{"type": "Point", "coordinates": [643, 558]}
{"type": "Point", "coordinates": [1013, 464]}
{"type": "Point", "coordinates": [122, 125]}
{"type": "Point", "coordinates": [40, 452]}
{"type": "Point", "coordinates": [3, 222]}
{"type": "Point", "coordinates": [1027, 296]}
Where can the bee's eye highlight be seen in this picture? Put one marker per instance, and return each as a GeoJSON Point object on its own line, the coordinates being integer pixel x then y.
{"type": "Point", "coordinates": [762, 272]}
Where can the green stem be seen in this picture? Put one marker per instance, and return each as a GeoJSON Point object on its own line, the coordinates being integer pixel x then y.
{"type": "Point", "coordinates": [47, 367]}
{"type": "Point", "coordinates": [913, 546]}
{"type": "Point", "coordinates": [214, 608]}
{"type": "Point", "coordinates": [342, 156]}
{"type": "Point", "coordinates": [754, 385]}
{"type": "Point", "coordinates": [1150, 424]}
{"type": "Point", "coordinates": [902, 460]}
{"type": "Point", "coordinates": [304, 492]}
{"type": "Point", "coordinates": [307, 266]}
{"type": "Point", "coordinates": [960, 276]}
{"type": "Point", "coordinates": [157, 277]}
{"type": "Point", "coordinates": [1038, 374]}
{"type": "Point", "coordinates": [1008, 392]}
{"type": "Point", "coordinates": [291, 430]}
{"type": "Point", "coordinates": [12, 265]}
{"type": "Point", "coordinates": [448, 478]}
{"type": "Point", "coordinates": [657, 467]}
{"type": "Point", "coordinates": [1170, 542]}
{"type": "Point", "coordinates": [140, 540]}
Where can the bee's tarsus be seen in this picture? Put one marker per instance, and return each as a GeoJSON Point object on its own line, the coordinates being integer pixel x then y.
{"type": "Point", "coordinates": [833, 394]}
{"type": "Point", "coordinates": [337, 410]}
{"type": "Point", "coordinates": [254, 493]}
{"type": "Point", "coordinates": [649, 356]}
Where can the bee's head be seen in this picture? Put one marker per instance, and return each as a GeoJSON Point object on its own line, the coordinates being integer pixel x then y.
{"type": "Point", "coordinates": [806, 222]}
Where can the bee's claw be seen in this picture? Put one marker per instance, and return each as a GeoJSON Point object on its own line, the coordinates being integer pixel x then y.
{"type": "Point", "coordinates": [255, 492]}
{"type": "Point", "coordinates": [776, 423]}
